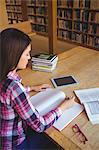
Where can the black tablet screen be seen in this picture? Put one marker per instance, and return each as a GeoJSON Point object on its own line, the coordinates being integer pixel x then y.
{"type": "Point", "coordinates": [65, 81]}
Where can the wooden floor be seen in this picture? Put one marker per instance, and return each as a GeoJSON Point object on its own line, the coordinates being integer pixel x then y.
{"type": "Point", "coordinates": [40, 44]}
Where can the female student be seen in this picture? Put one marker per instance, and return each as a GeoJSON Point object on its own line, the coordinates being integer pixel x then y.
{"type": "Point", "coordinates": [15, 111]}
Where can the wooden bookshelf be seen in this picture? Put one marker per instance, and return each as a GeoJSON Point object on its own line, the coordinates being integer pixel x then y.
{"type": "Point", "coordinates": [14, 11]}
{"type": "Point", "coordinates": [35, 11]}
{"type": "Point", "coordinates": [38, 14]}
{"type": "Point", "coordinates": [78, 21]}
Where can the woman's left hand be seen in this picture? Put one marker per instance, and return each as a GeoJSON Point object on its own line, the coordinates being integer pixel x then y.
{"type": "Point", "coordinates": [39, 88]}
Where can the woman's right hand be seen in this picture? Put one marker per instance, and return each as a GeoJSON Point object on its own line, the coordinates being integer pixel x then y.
{"type": "Point", "coordinates": [67, 103]}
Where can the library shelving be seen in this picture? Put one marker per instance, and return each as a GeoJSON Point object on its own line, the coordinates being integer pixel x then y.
{"type": "Point", "coordinates": [14, 11]}
{"type": "Point", "coordinates": [78, 21]}
{"type": "Point", "coordinates": [37, 11]}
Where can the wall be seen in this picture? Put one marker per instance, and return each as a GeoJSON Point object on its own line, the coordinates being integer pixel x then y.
{"type": "Point", "coordinates": [3, 15]}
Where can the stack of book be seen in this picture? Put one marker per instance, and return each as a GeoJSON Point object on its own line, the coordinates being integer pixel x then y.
{"type": "Point", "coordinates": [44, 62]}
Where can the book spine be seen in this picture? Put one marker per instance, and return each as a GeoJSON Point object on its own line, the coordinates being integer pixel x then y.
{"type": "Point", "coordinates": [43, 64]}
{"type": "Point", "coordinates": [42, 68]}
{"type": "Point", "coordinates": [44, 61]}
{"type": "Point", "coordinates": [51, 58]}
{"type": "Point", "coordinates": [45, 70]}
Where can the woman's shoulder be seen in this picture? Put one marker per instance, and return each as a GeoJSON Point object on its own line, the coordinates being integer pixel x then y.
{"type": "Point", "coordinates": [5, 84]}
{"type": "Point", "coordinates": [8, 84]}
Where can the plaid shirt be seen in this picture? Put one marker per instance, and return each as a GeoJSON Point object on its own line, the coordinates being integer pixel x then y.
{"type": "Point", "coordinates": [15, 113]}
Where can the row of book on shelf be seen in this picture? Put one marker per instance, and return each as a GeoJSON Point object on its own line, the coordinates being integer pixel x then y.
{"type": "Point", "coordinates": [85, 39]}
{"type": "Point", "coordinates": [38, 10]}
{"type": "Point", "coordinates": [14, 15]}
{"type": "Point", "coordinates": [64, 13]}
{"type": "Point", "coordinates": [81, 15]}
{"type": "Point", "coordinates": [86, 28]}
{"type": "Point", "coordinates": [79, 26]}
{"type": "Point", "coordinates": [37, 2]}
{"type": "Point", "coordinates": [65, 24]}
{"type": "Point", "coordinates": [40, 28]}
{"type": "Point", "coordinates": [18, 2]}
{"type": "Point", "coordinates": [44, 62]}
{"type": "Point", "coordinates": [92, 4]}
{"type": "Point", "coordinates": [86, 15]}
{"type": "Point", "coordinates": [38, 20]}
{"type": "Point", "coordinates": [13, 21]}
{"type": "Point", "coordinates": [13, 8]}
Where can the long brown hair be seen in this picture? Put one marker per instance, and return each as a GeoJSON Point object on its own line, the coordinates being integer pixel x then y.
{"type": "Point", "coordinates": [13, 42]}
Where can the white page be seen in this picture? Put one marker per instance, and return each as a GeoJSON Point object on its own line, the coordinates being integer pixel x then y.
{"type": "Point", "coordinates": [68, 115]}
{"type": "Point", "coordinates": [47, 100]}
{"type": "Point", "coordinates": [94, 107]}
{"type": "Point", "coordinates": [94, 118]}
{"type": "Point", "coordinates": [90, 99]}
{"type": "Point", "coordinates": [87, 95]}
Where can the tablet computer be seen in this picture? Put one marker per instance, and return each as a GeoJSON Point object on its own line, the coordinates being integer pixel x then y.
{"type": "Point", "coordinates": [63, 81]}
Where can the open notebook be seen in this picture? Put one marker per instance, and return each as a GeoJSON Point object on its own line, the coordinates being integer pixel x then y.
{"type": "Point", "coordinates": [48, 100]}
{"type": "Point", "coordinates": [90, 99]}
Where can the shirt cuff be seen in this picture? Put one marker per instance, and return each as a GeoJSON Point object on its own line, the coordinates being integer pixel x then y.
{"type": "Point", "coordinates": [58, 112]}
{"type": "Point", "coordinates": [28, 89]}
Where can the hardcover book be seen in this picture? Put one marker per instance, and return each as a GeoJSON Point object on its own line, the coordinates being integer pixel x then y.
{"type": "Point", "coordinates": [44, 57]}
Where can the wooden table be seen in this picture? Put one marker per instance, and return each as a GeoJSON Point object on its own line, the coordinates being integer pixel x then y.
{"type": "Point", "coordinates": [83, 63]}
